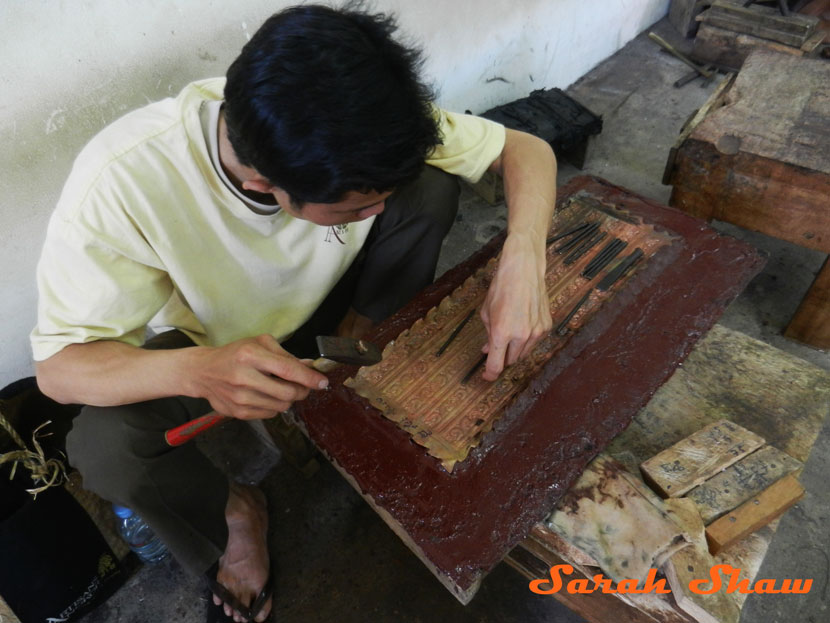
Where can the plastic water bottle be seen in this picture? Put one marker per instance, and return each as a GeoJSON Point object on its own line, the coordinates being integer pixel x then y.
{"type": "Point", "coordinates": [139, 536]}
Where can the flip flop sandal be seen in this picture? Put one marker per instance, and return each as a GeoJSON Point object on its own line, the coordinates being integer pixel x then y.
{"type": "Point", "coordinates": [216, 614]}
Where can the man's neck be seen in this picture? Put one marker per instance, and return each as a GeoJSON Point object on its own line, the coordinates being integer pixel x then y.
{"type": "Point", "coordinates": [237, 173]}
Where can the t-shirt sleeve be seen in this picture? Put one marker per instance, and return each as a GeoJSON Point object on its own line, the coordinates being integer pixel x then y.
{"type": "Point", "coordinates": [470, 144]}
{"type": "Point", "coordinates": [96, 280]}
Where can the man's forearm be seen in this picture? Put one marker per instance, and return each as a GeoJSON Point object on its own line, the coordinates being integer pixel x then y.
{"type": "Point", "coordinates": [528, 167]}
{"type": "Point", "coordinates": [516, 311]}
{"type": "Point", "coordinates": [108, 373]}
{"type": "Point", "coordinates": [251, 378]}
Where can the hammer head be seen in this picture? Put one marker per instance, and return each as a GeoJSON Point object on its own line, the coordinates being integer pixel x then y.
{"type": "Point", "coordinates": [348, 350]}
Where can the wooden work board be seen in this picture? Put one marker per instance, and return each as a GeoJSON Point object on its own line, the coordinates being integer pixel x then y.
{"type": "Point", "coordinates": [758, 155]}
{"type": "Point", "coordinates": [462, 523]}
{"type": "Point", "coordinates": [727, 375]}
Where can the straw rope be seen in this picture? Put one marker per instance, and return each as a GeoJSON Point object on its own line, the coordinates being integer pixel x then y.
{"type": "Point", "coordinates": [50, 472]}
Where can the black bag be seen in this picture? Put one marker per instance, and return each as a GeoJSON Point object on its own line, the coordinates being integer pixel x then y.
{"type": "Point", "coordinates": [56, 565]}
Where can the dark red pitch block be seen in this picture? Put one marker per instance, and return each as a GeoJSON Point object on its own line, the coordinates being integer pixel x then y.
{"type": "Point", "coordinates": [462, 523]}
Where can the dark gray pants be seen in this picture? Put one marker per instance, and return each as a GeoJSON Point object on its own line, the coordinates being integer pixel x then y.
{"type": "Point", "coordinates": [120, 451]}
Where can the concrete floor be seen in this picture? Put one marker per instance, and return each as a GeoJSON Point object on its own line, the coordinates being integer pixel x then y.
{"type": "Point", "coordinates": [338, 561]}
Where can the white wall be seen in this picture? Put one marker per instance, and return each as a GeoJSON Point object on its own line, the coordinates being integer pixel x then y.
{"type": "Point", "coordinates": [68, 68]}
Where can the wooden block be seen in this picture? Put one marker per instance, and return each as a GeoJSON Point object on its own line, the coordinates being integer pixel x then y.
{"type": "Point", "coordinates": [754, 514]}
{"type": "Point", "coordinates": [763, 161]}
{"type": "Point", "coordinates": [811, 323]}
{"type": "Point", "coordinates": [741, 481]}
{"type": "Point", "coordinates": [728, 50]}
{"type": "Point", "coordinates": [759, 18]}
{"type": "Point", "coordinates": [692, 460]}
{"type": "Point", "coordinates": [773, 197]}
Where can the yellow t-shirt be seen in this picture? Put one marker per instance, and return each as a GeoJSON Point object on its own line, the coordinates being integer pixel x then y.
{"type": "Point", "coordinates": [146, 233]}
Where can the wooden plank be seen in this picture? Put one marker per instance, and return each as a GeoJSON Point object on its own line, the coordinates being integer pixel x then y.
{"type": "Point", "coordinates": [542, 550]}
{"type": "Point", "coordinates": [812, 46]}
{"type": "Point", "coordinates": [693, 562]}
{"type": "Point", "coordinates": [748, 555]}
{"type": "Point", "coordinates": [768, 17]}
{"type": "Point", "coordinates": [595, 607]}
{"type": "Point", "coordinates": [754, 514]}
{"type": "Point", "coordinates": [692, 460]}
{"type": "Point", "coordinates": [544, 537]}
{"type": "Point", "coordinates": [728, 50]}
{"type": "Point", "coordinates": [741, 481]}
{"type": "Point", "coordinates": [758, 30]}
{"type": "Point", "coordinates": [811, 323]}
{"type": "Point", "coordinates": [760, 387]}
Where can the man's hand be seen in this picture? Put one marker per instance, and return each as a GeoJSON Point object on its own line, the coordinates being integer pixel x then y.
{"type": "Point", "coordinates": [247, 379]}
{"type": "Point", "coordinates": [515, 312]}
{"type": "Point", "coordinates": [254, 378]}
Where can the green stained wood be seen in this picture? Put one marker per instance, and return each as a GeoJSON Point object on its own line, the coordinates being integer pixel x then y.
{"type": "Point", "coordinates": [731, 375]}
{"type": "Point", "coordinates": [741, 481]}
{"type": "Point", "coordinates": [699, 456]}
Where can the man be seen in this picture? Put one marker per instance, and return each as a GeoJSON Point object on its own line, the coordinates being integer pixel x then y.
{"type": "Point", "coordinates": [249, 215]}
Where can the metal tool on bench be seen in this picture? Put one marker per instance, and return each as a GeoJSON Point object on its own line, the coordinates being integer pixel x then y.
{"type": "Point", "coordinates": [333, 351]}
{"type": "Point", "coordinates": [707, 72]}
{"type": "Point", "coordinates": [686, 79]}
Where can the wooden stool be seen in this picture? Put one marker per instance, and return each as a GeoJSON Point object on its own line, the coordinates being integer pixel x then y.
{"type": "Point", "coordinates": [758, 155]}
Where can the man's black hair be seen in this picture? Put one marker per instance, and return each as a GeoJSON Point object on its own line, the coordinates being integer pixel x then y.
{"type": "Point", "coordinates": [323, 101]}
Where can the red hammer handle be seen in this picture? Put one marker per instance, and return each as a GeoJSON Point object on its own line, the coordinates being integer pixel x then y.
{"type": "Point", "coordinates": [187, 431]}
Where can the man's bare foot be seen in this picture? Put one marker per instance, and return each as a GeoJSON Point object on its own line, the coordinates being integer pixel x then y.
{"type": "Point", "coordinates": [243, 568]}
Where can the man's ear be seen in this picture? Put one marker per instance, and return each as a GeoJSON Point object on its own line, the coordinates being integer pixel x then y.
{"type": "Point", "coordinates": [258, 184]}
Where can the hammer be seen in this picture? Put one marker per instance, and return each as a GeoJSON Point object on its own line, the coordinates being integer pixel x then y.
{"type": "Point", "coordinates": [703, 71]}
{"type": "Point", "coordinates": [333, 351]}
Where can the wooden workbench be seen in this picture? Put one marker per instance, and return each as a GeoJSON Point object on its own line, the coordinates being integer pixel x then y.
{"type": "Point", "coordinates": [758, 155]}
{"type": "Point", "coordinates": [727, 375]}
{"type": "Point", "coordinates": [584, 394]}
